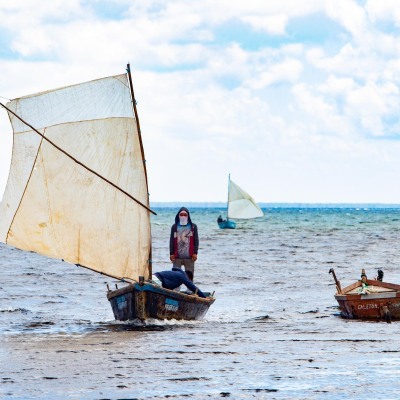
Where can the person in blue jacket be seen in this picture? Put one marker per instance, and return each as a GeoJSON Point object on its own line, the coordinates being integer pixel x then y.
{"type": "Point", "coordinates": [176, 277]}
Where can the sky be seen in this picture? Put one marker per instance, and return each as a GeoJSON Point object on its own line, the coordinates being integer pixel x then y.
{"type": "Point", "coordinates": [297, 99]}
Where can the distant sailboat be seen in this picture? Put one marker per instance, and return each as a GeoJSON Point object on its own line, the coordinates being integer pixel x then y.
{"type": "Point", "coordinates": [240, 206]}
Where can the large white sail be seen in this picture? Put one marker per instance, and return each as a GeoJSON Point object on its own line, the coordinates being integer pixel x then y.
{"type": "Point", "coordinates": [54, 206]}
{"type": "Point", "coordinates": [240, 204]}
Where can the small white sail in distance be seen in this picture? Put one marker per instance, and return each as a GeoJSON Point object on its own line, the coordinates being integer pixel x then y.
{"type": "Point", "coordinates": [240, 204]}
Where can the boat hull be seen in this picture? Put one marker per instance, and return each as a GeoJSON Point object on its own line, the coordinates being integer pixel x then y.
{"type": "Point", "coordinates": [150, 301]}
{"type": "Point", "coordinates": [368, 299]}
{"type": "Point", "coordinates": [372, 306]}
{"type": "Point", "coordinates": [227, 224]}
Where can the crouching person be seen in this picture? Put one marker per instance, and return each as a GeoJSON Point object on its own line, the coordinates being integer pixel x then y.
{"type": "Point", "coordinates": [176, 277]}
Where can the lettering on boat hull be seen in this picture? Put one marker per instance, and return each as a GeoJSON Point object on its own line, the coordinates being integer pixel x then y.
{"type": "Point", "coordinates": [171, 305]}
{"type": "Point", "coordinates": [121, 302]}
{"type": "Point", "coordinates": [370, 311]}
{"type": "Point", "coordinates": [367, 306]}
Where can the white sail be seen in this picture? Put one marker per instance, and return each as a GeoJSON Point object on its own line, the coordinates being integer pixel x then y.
{"type": "Point", "coordinates": [240, 204]}
{"type": "Point", "coordinates": [52, 205]}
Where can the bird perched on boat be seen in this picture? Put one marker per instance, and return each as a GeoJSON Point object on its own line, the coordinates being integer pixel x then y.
{"type": "Point", "coordinates": [380, 275]}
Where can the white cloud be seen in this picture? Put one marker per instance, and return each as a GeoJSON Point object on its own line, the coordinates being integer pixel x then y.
{"type": "Point", "coordinates": [351, 15]}
{"type": "Point", "coordinates": [370, 103]}
{"type": "Point", "coordinates": [387, 10]}
{"type": "Point", "coordinates": [287, 71]}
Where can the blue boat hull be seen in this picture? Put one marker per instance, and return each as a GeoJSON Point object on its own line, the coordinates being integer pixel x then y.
{"type": "Point", "coordinates": [227, 225]}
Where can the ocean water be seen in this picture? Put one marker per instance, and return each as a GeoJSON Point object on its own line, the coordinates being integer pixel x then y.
{"type": "Point", "coordinates": [274, 331]}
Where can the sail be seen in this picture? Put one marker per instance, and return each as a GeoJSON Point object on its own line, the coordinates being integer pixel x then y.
{"type": "Point", "coordinates": [52, 205]}
{"type": "Point", "coordinates": [240, 204]}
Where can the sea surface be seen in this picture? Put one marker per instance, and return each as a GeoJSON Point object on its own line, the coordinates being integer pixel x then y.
{"type": "Point", "coordinates": [274, 331]}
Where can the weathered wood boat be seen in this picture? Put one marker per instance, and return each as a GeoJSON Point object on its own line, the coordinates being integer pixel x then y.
{"type": "Point", "coordinates": [368, 299]}
{"type": "Point", "coordinates": [78, 191]}
{"type": "Point", "coordinates": [240, 205]}
{"type": "Point", "coordinates": [146, 300]}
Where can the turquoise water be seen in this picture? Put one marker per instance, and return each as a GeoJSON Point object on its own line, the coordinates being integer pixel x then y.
{"type": "Point", "coordinates": [274, 331]}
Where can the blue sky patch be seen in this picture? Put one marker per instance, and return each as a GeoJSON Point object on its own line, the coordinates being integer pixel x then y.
{"type": "Point", "coordinates": [108, 10]}
{"type": "Point", "coordinates": [178, 67]}
{"type": "Point", "coordinates": [5, 41]}
{"type": "Point", "coordinates": [235, 31]}
{"type": "Point", "coordinates": [314, 29]}
{"type": "Point", "coordinates": [388, 27]}
{"type": "Point", "coordinates": [229, 82]}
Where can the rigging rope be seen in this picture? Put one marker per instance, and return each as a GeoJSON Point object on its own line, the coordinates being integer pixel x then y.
{"type": "Point", "coordinates": [77, 161]}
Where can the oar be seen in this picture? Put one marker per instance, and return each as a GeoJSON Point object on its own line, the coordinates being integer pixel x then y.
{"type": "Point", "coordinates": [338, 287]}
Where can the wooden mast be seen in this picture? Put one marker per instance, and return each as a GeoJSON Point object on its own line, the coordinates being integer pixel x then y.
{"type": "Point", "coordinates": [128, 70]}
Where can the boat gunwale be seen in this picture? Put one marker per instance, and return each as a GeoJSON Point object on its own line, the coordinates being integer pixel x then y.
{"type": "Point", "coordinates": [371, 282]}
{"type": "Point", "coordinates": [367, 297]}
{"type": "Point", "coordinates": [346, 296]}
{"type": "Point", "coordinates": [151, 287]}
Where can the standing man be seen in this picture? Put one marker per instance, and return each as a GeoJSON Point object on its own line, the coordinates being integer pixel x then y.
{"type": "Point", "coordinates": [184, 242]}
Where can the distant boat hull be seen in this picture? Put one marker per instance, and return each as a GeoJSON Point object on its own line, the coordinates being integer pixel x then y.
{"type": "Point", "coordinates": [227, 224]}
{"type": "Point", "coordinates": [382, 303]}
{"type": "Point", "coordinates": [150, 301]}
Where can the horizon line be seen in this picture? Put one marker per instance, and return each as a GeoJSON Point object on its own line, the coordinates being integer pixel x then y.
{"type": "Point", "coordinates": [221, 204]}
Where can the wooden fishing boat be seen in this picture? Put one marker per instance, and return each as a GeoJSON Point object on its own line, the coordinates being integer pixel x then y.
{"type": "Point", "coordinates": [368, 299]}
{"type": "Point", "coordinates": [78, 191]}
{"type": "Point", "coordinates": [145, 300]}
{"type": "Point", "coordinates": [240, 205]}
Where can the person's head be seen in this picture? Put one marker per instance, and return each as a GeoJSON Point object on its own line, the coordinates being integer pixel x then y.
{"type": "Point", "coordinates": [183, 216]}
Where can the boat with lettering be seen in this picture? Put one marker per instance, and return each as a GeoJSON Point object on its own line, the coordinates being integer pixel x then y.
{"type": "Point", "coordinates": [368, 299]}
{"type": "Point", "coordinates": [145, 300]}
{"type": "Point", "coordinates": [78, 191]}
